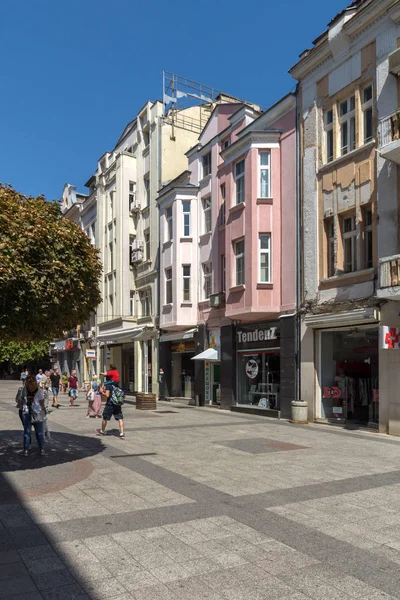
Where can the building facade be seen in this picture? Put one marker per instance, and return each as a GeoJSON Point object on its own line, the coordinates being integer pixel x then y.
{"type": "Point", "coordinates": [228, 262]}
{"type": "Point", "coordinates": [349, 198]}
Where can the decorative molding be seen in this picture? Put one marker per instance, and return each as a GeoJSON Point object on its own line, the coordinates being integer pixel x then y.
{"type": "Point", "coordinates": [269, 139]}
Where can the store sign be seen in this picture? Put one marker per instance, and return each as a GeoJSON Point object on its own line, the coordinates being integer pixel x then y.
{"type": "Point", "coordinates": [71, 344]}
{"type": "Point", "coordinates": [183, 346]}
{"type": "Point", "coordinates": [258, 333]}
{"type": "Point", "coordinates": [108, 354]}
{"type": "Point", "coordinates": [331, 392]}
{"type": "Point", "coordinates": [389, 337]}
{"type": "Point", "coordinates": [207, 382]}
{"type": "Point", "coordinates": [91, 354]}
{"type": "Point", "coordinates": [214, 340]}
{"type": "Point", "coordinates": [252, 368]}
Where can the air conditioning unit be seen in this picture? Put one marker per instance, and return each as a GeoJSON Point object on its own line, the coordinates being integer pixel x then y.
{"type": "Point", "coordinates": [136, 256]}
{"type": "Point", "coordinates": [134, 206]}
{"type": "Point", "coordinates": [137, 245]}
{"type": "Point", "coordinates": [217, 300]}
{"type": "Point", "coordinates": [328, 213]}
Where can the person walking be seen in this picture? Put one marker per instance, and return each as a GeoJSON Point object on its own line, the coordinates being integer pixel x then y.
{"type": "Point", "coordinates": [33, 412]}
{"type": "Point", "coordinates": [113, 408]}
{"type": "Point", "coordinates": [94, 400]}
{"type": "Point", "coordinates": [39, 376]}
{"type": "Point", "coordinates": [73, 385]}
{"type": "Point", "coordinates": [112, 375]}
{"type": "Point", "coordinates": [55, 386]}
{"type": "Point", "coordinates": [24, 375]}
{"type": "Point", "coordinates": [64, 382]}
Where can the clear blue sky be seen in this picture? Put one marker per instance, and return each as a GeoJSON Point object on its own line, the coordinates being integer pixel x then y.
{"type": "Point", "coordinates": [74, 72]}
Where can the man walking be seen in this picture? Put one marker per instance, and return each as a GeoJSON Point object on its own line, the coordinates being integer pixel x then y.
{"type": "Point", "coordinates": [112, 408]}
{"type": "Point", "coordinates": [72, 388]}
{"type": "Point", "coordinates": [39, 376]}
{"type": "Point", "coordinates": [55, 386]}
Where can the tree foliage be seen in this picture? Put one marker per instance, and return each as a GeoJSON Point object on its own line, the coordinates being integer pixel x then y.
{"type": "Point", "coordinates": [21, 353]}
{"type": "Point", "coordinates": [49, 270]}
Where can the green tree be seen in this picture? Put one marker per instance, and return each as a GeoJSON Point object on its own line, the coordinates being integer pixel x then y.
{"type": "Point", "coordinates": [49, 270]}
{"type": "Point", "coordinates": [21, 353]}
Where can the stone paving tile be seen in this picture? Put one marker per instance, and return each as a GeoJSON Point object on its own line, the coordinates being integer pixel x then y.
{"type": "Point", "coordinates": [67, 592]}
{"type": "Point", "coordinates": [154, 592]}
{"type": "Point", "coordinates": [104, 589]}
{"type": "Point", "coordinates": [17, 585]}
{"type": "Point", "coordinates": [12, 570]}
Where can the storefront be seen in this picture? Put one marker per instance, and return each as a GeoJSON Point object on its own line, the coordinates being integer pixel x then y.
{"type": "Point", "coordinates": [176, 351]}
{"type": "Point", "coordinates": [349, 375]}
{"type": "Point", "coordinates": [127, 373]}
{"type": "Point", "coordinates": [258, 368]}
{"type": "Point", "coordinates": [212, 367]}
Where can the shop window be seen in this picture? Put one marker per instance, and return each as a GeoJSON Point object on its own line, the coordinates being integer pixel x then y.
{"type": "Point", "coordinates": [168, 286]}
{"type": "Point", "coordinates": [186, 282]}
{"type": "Point", "coordinates": [347, 122]}
{"type": "Point", "coordinates": [330, 242]}
{"type": "Point", "coordinates": [239, 262]}
{"type": "Point", "coordinates": [265, 174]}
{"type": "Point", "coordinates": [239, 181]}
{"type": "Point", "coordinates": [258, 377]}
{"type": "Point", "coordinates": [349, 375]}
{"type": "Point", "coordinates": [368, 237]}
{"type": "Point", "coordinates": [367, 110]}
{"type": "Point", "coordinates": [328, 126]}
{"type": "Point", "coordinates": [349, 234]}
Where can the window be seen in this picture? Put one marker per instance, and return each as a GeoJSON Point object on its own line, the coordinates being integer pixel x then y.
{"type": "Point", "coordinates": [367, 114]}
{"type": "Point", "coordinates": [145, 302]}
{"type": "Point", "coordinates": [146, 137]}
{"type": "Point", "coordinates": [111, 303]}
{"type": "Point", "coordinates": [328, 126]}
{"type": "Point", "coordinates": [147, 246]}
{"type": "Point", "coordinates": [168, 286]}
{"type": "Point", "coordinates": [265, 258]}
{"type": "Point", "coordinates": [207, 214]}
{"type": "Point", "coordinates": [239, 181]}
{"type": "Point", "coordinates": [369, 259]}
{"type": "Point", "coordinates": [207, 280]}
{"type": "Point", "coordinates": [226, 143]}
{"type": "Point", "coordinates": [265, 175]}
{"type": "Point", "coordinates": [239, 263]}
{"type": "Point", "coordinates": [330, 239]}
{"type": "Point", "coordinates": [132, 304]}
{"type": "Point", "coordinates": [349, 244]}
{"type": "Point", "coordinates": [223, 273]}
{"type": "Point", "coordinates": [146, 190]}
{"type": "Point", "coordinates": [111, 256]}
{"type": "Point", "coordinates": [222, 214]}
{"type": "Point", "coordinates": [207, 164]}
{"type": "Point", "coordinates": [347, 121]}
{"type": "Point", "coordinates": [132, 194]}
{"type": "Point", "coordinates": [170, 230]}
{"type": "Point", "coordinates": [186, 282]}
{"type": "Point", "coordinates": [93, 233]}
{"type": "Point", "coordinates": [186, 218]}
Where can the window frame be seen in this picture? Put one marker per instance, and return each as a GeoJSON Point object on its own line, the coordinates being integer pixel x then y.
{"type": "Point", "coordinates": [132, 193]}
{"type": "Point", "coordinates": [367, 108]}
{"type": "Point", "coordinates": [206, 269]}
{"type": "Point", "coordinates": [206, 164]}
{"type": "Point", "coordinates": [132, 303]}
{"type": "Point", "coordinates": [239, 260]}
{"type": "Point", "coordinates": [349, 242]}
{"type": "Point", "coordinates": [261, 169]}
{"type": "Point", "coordinates": [329, 138]}
{"type": "Point", "coordinates": [146, 181]}
{"type": "Point", "coordinates": [147, 249]}
{"type": "Point", "coordinates": [330, 245]}
{"type": "Point", "coordinates": [169, 229]}
{"type": "Point", "coordinates": [187, 218]}
{"type": "Point", "coordinates": [223, 273]}
{"type": "Point", "coordinates": [240, 182]}
{"type": "Point", "coordinates": [368, 238]}
{"type": "Point", "coordinates": [222, 213]}
{"type": "Point", "coordinates": [207, 216]}
{"type": "Point", "coordinates": [185, 279]}
{"type": "Point", "coordinates": [145, 302]}
{"type": "Point", "coordinates": [347, 121]}
{"type": "Point", "coordinates": [264, 252]}
{"type": "Point", "coordinates": [168, 285]}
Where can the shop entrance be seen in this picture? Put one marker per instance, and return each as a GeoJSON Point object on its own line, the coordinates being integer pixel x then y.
{"type": "Point", "coordinates": [349, 375]}
{"type": "Point", "coordinates": [182, 374]}
{"type": "Point", "coordinates": [259, 378]}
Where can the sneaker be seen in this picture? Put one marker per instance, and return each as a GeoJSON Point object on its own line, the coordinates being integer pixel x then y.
{"type": "Point", "coordinates": [99, 432]}
{"type": "Point", "coordinates": [25, 452]}
{"type": "Point", "coordinates": [121, 435]}
{"type": "Point", "coordinates": [87, 416]}
{"type": "Point", "coordinates": [42, 452]}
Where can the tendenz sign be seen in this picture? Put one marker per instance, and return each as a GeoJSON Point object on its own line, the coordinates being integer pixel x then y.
{"type": "Point", "coordinates": [257, 335]}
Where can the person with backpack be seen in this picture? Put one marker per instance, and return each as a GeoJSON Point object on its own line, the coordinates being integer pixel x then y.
{"type": "Point", "coordinates": [30, 403]}
{"type": "Point", "coordinates": [115, 398]}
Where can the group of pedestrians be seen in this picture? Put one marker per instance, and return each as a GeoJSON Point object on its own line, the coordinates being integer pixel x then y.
{"type": "Point", "coordinates": [33, 401]}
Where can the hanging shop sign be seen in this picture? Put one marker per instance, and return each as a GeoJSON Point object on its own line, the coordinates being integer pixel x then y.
{"type": "Point", "coordinates": [71, 344]}
{"type": "Point", "coordinates": [108, 354]}
{"type": "Point", "coordinates": [207, 382]}
{"type": "Point", "coordinates": [91, 354]}
{"type": "Point", "coordinates": [389, 337]}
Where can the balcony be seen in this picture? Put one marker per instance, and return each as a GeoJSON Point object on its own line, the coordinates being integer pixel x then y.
{"type": "Point", "coordinates": [389, 277]}
{"type": "Point", "coordinates": [394, 62]}
{"type": "Point", "coordinates": [389, 137]}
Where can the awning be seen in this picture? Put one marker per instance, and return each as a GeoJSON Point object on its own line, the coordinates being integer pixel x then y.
{"type": "Point", "coordinates": [357, 316]}
{"type": "Point", "coordinates": [178, 335]}
{"type": "Point", "coordinates": [59, 346]}
{"type": "Point", "coordinates": [210, 355]}
{"type": "Point", "coordinates": [119, 334]}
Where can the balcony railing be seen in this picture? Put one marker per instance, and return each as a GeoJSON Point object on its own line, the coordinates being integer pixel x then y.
{"type": "Point", "coordinates": [389, 271]}
{"type": "Point", "coordinates": [389, 137]}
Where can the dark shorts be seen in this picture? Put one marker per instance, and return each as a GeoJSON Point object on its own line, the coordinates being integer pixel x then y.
{"type": "Point", "coordinates": [114, 410]}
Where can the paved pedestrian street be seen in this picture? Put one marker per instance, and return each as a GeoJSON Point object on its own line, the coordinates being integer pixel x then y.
{"type": "Point", "coordinates": [197, 504]}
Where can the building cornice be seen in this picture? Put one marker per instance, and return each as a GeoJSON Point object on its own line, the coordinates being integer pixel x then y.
{"type": "Point", "coordinates": [244, 143]}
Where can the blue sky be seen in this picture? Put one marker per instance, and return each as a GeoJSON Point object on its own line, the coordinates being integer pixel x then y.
{"type": "Point", "coordinates": [73, 73]}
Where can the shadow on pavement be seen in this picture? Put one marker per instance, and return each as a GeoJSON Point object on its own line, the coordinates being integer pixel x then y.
{"type": "Point", "coordinates": [63, 448]}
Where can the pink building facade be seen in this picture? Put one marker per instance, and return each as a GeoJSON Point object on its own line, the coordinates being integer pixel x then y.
{"type": "Point", "coordinates": [241, 249]}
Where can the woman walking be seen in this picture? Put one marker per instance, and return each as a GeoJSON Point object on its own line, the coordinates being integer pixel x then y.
{"type": "Point", "coordinates": [94, 399]}
{"type": "Point", "coordinates": [33, 412]}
